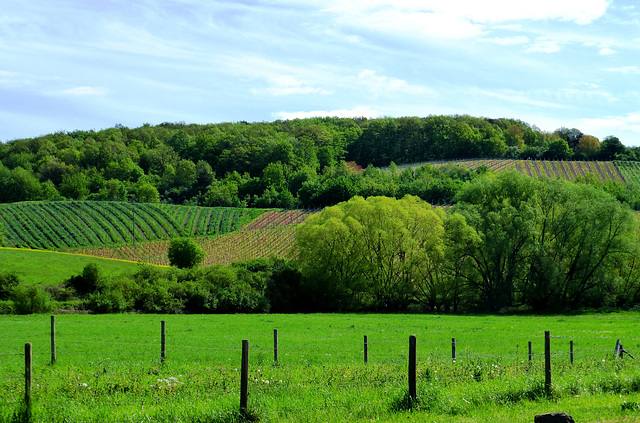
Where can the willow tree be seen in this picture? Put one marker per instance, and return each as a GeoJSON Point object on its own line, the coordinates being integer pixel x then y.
{"type": "Point", "coordinates": [368, 252]}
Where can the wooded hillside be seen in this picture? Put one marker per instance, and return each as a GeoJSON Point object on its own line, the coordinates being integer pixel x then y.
{"type": "Point", "coordinates": [297, 163]}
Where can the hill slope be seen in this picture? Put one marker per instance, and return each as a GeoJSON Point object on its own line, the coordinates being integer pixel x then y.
{"type": "Point", "coordinates": [270, 235]}
{"type": "Point", "coordinates": [58, 225]}
{"type": "Point", "coordinates": [606, 171]}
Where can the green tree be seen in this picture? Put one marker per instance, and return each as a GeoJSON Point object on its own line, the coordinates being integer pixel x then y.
{"type": "Point", "coordinates": [185, 253]}
{"type": "Point", "coordinates": [502, 211]}
{"type": "Point", "coordinates": [8, 282]}
{"type": "Point", "coordinates": [75, 186]}
{"type": "Point", "coordinates": [365, 253]}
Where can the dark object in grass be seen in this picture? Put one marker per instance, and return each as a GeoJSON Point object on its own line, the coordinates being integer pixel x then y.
{"type": "Point", "coordinates": [553, 418]}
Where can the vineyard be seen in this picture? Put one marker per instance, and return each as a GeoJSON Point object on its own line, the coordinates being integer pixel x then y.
{"type": "Point", "coordinates": [630, 171]}
{"type": "Point", "coordinates": [604, 171]}
{"type": "Point", "coordinates": [269, 235]}
{"type": "Point", "coordinates": [83, 224]}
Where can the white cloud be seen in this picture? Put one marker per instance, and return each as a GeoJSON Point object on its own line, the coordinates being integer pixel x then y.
{"type": "Point", "coordinates": [508, 41]}
{"type": "Point", "coordinates": [613, 124]}
{"type": "Point", "coordinates": [360, 111]}
{"type": "Point", "coordinates": [625, 69]}
{"type": "Point", "coordinates": [454, 19]}
{"type": "Point", "coordinates": [85, 91]}
{"type": "Point", "coordinates": [579, 11]}
{"type": "Point", "coordinates": [544, 46]}
{"type": "Point", "coordinates": [283, 85]}
{"type": "Point", "coordinates": [517, 97]}
{"type": "Point", "coordinates": [605, 51]}
{"type": "Point", "coordinates": [378, 84]}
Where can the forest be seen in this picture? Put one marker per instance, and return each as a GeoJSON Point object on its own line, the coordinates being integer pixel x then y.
{"type": "Point", "coordinates": [306, 163]}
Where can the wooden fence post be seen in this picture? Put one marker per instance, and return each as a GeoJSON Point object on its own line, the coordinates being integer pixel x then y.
{"type": "Point", "coordinates": [453, 349]}
{"type": "Point", "coordinates": [27, 380]}
{"type": "Point", "coordinates": [366, 350]}
{"type": "Point", "coordinates": [244, 378]}
{"type": "Point", "coordinates": [163, 342]}
{"type": "Point", "coordinates": [547, 363]}
{"type": "Point", "coordinates": [412, 369]}
{"type": "Point", "coordinates": [53, 340]}
{"type": "Point", "coordinates": [275, 346]}
{"type": "Point", "coordinates": [571, 350]}
{"type": "Point", "coordinates": [530, 352]}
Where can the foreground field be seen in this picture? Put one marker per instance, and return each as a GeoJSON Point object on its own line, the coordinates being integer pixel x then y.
{"type": "Point", "coordinates": [108, 368]}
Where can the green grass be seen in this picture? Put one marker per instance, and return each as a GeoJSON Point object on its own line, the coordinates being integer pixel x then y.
{"type": "Point", "coordinates": [108, 368]}
{"type": "Point", "coordinates": [48, 267]}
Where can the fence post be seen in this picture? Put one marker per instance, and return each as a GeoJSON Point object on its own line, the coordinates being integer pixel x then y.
{"type": "Point", "coordinates": [453, 349]}
{"type": "Point", "coordinates": [412, 369]}
{"type": "Point", "coordinates": [275, 346]}
{"type": "Point", "coordinates": [530, 352]}
{"type": "Point", "coordinates": [244, 378]}
{"type": "Point", "coordinates": [547, 363]}
{"type": "Point", "coordinates": [53, 340]}
{"type": "Point", "coordinates": [366, 350]}
{"type": "Point", "coordinates": [163, 342]}
{"type": "Point", "coordinates": [27, 381]}
{"type": "Point", "coordinates": [571, 350]}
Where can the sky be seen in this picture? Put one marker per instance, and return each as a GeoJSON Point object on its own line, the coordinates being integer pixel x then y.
{"type": "Point", "coordinates": [91, 64]}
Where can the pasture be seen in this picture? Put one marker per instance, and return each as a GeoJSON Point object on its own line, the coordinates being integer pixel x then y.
{"type": "Point", "coordinates": [52, 267]}
{"type": "Point", "coordinates": [108, 367]}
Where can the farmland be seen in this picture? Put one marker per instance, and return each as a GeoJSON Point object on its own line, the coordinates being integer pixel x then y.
{"type": "Point", "coordinates": [63, 225]}
{"type": "Point", "coordinates": [108, 367]}
{"type": "Point", "coordinates": [141, 232]}
{"type": "Point", "coordinates": [269, 235]}
{"type": "Point", "coordinates": [605, 171]}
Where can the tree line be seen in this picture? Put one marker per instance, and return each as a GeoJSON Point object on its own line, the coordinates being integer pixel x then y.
{"type": "Point", "coordinates": [510, 243]}
{"type": "Point", "coordinates": [293, 163]}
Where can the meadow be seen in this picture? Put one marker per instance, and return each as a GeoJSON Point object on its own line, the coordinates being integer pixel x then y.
{"type": "Point", "coordinates": [108, 367]}
{"type": "Point", "coordinates": [52, 267]}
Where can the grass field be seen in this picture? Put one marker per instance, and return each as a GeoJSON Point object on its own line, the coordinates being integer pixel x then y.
{"type": "Point", "coordinates": [108, 368]}
{"type": "Point", "coordinates": [49, 267]}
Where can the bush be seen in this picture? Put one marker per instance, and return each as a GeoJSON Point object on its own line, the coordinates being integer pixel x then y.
{"type": "Point", "coordinates": [185, 253]}
{"type": "Point", "coordinates": [31, 299]}
{"type": "Point", "coordinates": [8, 282]}
{"type": "Point", "coordinates": [87, 282]}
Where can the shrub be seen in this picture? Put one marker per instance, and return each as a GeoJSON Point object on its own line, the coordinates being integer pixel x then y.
{"type": "Point", "coordinates": [31, 299]}
{"type": "Point", "coordinates": [87, 281]}
{"type": "Point", "coordinates": [185, 253]}
{"type": "Point", "coordinates": [8, 282]}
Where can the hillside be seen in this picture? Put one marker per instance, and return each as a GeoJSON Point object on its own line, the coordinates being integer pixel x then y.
{"type": "Point", "coordinates": [605, 171]}
{"type": "Point", "coordinates": [62, 225]}
{"type": "Point", "coordinates": [52, 267]}
{"type": "Point", "coordinates": [270, 235]}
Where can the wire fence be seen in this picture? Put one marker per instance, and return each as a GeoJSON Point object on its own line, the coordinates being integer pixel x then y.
{"type": "Point", "coordinates": [317, 365]}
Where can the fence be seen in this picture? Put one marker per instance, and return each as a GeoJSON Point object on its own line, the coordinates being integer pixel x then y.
{"type": "Point", "coordinates": [403, 354]}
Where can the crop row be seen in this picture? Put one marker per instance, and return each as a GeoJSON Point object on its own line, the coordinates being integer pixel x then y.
{"type": "Point", "coordinates": [81, 224]}
{"type": "Point", "coordinates": [272, 241]}
{"type": "Point", "coordinates": [630, 171]}
{"type": "Point", "coordinates": [275, 218]}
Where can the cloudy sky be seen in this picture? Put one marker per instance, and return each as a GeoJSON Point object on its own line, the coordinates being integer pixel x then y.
{"type": "Point", "coordinates": [91, 64]}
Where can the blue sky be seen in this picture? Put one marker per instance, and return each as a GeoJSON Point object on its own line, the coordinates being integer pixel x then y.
{"type": "Point", "coordinates": [90, 64]}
